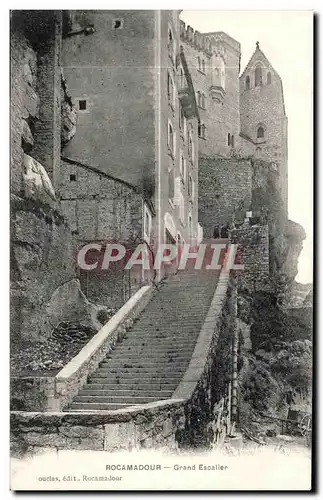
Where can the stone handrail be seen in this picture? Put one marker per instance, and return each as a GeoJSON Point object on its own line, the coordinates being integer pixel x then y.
{"type": "Point", "coordinates": [73, 376]}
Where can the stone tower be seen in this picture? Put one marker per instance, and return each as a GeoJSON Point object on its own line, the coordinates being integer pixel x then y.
{"type": "Point", "coordinates": [263, 120]}
{"type": "Point", "coordinates": [214, 61]}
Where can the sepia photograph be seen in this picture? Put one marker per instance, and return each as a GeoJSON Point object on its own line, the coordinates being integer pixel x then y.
{"type": "Point", "coordinates": [161, 250]}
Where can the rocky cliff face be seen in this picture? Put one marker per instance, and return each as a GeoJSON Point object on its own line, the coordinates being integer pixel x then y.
{"type": "Point", "coordinates": [44, 285]}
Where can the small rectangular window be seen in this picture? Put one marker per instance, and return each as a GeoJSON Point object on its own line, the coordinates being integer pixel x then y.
{"type": "Point", "coordinates": [72, 177]}
{"type": "Point", "coordinates": [147, 223]}
{"type": "Point", "coordinates": [82, 105]}
{"type": "Point", "coordinates": [117, 24]}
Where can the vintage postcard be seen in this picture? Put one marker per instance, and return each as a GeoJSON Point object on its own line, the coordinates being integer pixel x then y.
{"type": "Point", "coordinates": [161, 250]}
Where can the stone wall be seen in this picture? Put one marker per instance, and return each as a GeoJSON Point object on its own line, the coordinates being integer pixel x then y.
{"type": "Point", "coordinates": [99, 208]}
{"type": "Point", "coordinates": [225, 191]}
{"type": "Point", "coordinates": [112, 70]}
{"type": "Point", "coordinates": [32, 393]}
{"type": "Point", "coordinates": [254, 243]}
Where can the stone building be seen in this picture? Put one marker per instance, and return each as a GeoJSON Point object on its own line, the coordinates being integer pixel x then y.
{"type": "Point", "coordinates": [141, 128]}
{"type": "Point", "coordinates": [242, 118]}
{"type": "Point", "coordinates": [130, 171]}
{"type": "Point", "coordinates": [118, 140]}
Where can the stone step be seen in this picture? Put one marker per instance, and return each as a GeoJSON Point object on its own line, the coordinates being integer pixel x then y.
{"type": "Point", "coordinates": [115, 399]}
{"type": "Point", "coordinates": [136, 376]}
{"type": "Point", "coordinates": [165, 333]}
{"type": "Point", "coordinates": [122, 371]}
{"type": "Point", "coordinates": [141, 361]}
{"type": "Point", "coordinates": [174, 343]}
{"type": "Point", "coordinates": [128, 393]}
{"type": "Point", "coordinates": [129, 354]}
{"type": "Point", "coordinates": [144, 363]}
{"type": "Point", "coordinates": [97, 406]}
{"type": "Point", "coordinates": [140, 386]}
{"type": "Point", "coordinates": [149, 362]}
{"type": "Point", "coordinates": [140, 380]}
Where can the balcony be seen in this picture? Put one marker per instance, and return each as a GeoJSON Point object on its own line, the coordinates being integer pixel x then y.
{"type": "Point", "coordinates": [217, 93]}
{"type": "Point", "coordinates": [187, 101]}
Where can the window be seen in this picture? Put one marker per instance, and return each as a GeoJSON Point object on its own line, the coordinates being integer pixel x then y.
{"type": "Point", "coordinates": [147, 223]}
{"type": "Point", "coordinates": [229, 139]}
{"type": "Point", "coordinates": [190, 227]}
{"type": "Point", "coordinates": [201, 100]}
{"type": "Point", "coordinates": [182, 168]}
{"type": "Point", "coordinates": [258, 76]}
{"type": "Point", "coordinates": [268, 78]}
{"type": "Point", "coordinates": [190, 187]}
{"type": "Point", "coordinates": [232, 141]}
{"type": "Point", "coordinates": [171, 184]}
{"type": "Point", "coordinates": [190, 144]}
{"type": "Point", "coordinates": [201, 130]}
{"type": "Point", "coordinates": [181, 208]}
{"type": "Point", "coordinates": [171, 139]}
{"type": "Point", "coordinates": [260, 133]}
{"type": "Point", "coordinates": [203, 66]}
{"type": "Point", "coordinates": [82, 105]}
{"type": "Point", "coordinates": [182, 80]}
{"type": "Point", "coordinates": [182, 121]}
{"type": "Point", "coordinates": [171, 46]}
{"type": "Point", "coordinates": [199, 63]}
{"type": "Point", "coordinates": [247, 82]}
{"type": "Point", "coordinates": [117, 24]}
{"type": "Point", "coordinates": [72, 177]}
{"type": "Point", "coordinates": [170, 89]}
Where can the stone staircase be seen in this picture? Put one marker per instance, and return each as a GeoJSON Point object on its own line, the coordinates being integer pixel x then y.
{"type": "Point", "coordinates": [150, 361]}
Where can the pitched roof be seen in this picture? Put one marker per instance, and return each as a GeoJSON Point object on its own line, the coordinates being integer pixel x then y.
{"type": "Point", "coordinates": [258, 55]}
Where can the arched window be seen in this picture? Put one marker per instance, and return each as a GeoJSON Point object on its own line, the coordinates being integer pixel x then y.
{"type": "Point", "coordinates": [171, 184]}
{"type": "Point", "coordinates": [170, 138]}
{"type": "Point", "coordinates": [190, 144]}
{"type": "Point", "coordinates": [199, 98]}
{"type": "Point", "coordinates": [199, 130]}
{"type": "Point", "coordinates": [203, 101]}
{"type": "Point", "coordinates": [260, 132]}
{"type": "Point", "coordinates": [204, 131]}
{"type": "Point", "coordinates": [232, 141]}
{"type": "Point", "coordinates": [247, 82]}
{"type": "Point", "coordinates": [190, 187]}
{"type": "Point", "coordinates": [203, 66]}
{"type": "Point", "coordinates": [170, 39]}
{"type": "Point", "coordinates": [268, 78]}
{"type": "Point", "coordinates": [229, 139]}
{"type": "Point", "coordinates": [199, 63]}
{"type": "Point", "coordinates": [170, 88]}
{"type": "Point", "coordinates": [181, 208]}
{"type": "Point", "coordinates": [258, 76]}
{"type": "Point", "coordinates": [170, 44]}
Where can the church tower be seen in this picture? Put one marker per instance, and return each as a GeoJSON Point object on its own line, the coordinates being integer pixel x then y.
{"type": "Point", "coordinates": [263, 121]}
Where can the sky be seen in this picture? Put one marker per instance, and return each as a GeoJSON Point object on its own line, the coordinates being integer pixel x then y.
{"type": "Point", "coordinates": [285, 37]}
